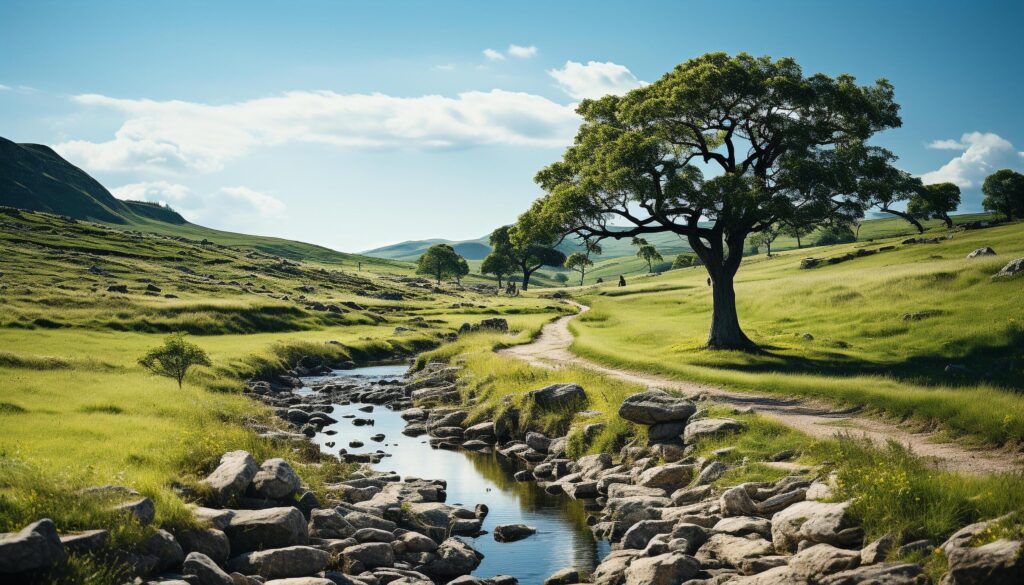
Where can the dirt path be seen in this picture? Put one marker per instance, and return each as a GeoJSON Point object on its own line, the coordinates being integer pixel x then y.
{"type": "Point", "coordinates": [818, 419]}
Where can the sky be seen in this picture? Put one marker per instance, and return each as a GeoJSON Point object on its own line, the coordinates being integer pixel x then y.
{"type": "Point", "coordinates": [359, 124]}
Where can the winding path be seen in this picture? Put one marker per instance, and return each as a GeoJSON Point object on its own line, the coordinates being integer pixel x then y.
{"type": "Point", "coordinates": [814, 418]}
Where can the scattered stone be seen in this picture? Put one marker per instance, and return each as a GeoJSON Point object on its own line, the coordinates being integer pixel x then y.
{"type": "Point", "coordinates": [558, 396]}
{"type": "Point", "coordinates": [512, 532]}
{"type": "Point", "coordinates": [276, 480]}
{"type": "Point", "coordinates": [205, 570]}
{"type": "Point", "coordinates": [233, 475]}
{"type": "Point", "coordinates": [986, 251]}
{"type": "Point", "coordinates": [656, 406]}
{"type": "Point", "coordinates": [1014, 268]}
{"type": "Point", "coordinates": [275, 563]}
{"type": "Point", "coordinates": [34, 547]}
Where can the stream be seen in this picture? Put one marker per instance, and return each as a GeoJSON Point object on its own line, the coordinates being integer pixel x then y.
{"type": "Point", "coordinates": [562, 539]}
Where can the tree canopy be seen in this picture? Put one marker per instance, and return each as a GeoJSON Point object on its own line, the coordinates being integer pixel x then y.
{"type": "Point", "coordinates": [935, 202]}
{"type": "Point", "coordinates": [440, 261]}
{"type": "Point", "coordinates": [646, 252]}
{"type": "Point", "coordinates": [766, 238]}
{"type": "Point", "coordinates": [579, 262]}
{"type": "Point", "coordinates": [773, 140]}
{"type": "Point", "coordinates": [529, 244]}
{"type": "Point", "coordinates": [499, 264]}
{"type": "Point", "coordinates": [1004, 193]}
{"type": "Point", "coordinates": [174, 358]}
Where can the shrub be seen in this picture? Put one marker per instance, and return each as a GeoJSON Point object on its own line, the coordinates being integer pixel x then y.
{"type": "Point", "coordinates": [174, 358]}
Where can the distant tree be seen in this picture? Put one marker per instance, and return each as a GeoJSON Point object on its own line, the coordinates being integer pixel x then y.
{"type": "Point", "coordinates": [498, 264]}
{"type": "Point", "coordinates": [935, 202]}
{"type": "Point", "coordinates": [835, 234]}
{"type": "Point", "coordinates": [561, 278]}
{"type": "Point", "coordinates": [462, 269]}
{"type": "Point", "coordinates": [579, 262]}
{"type": "Point", "coordinates": [439, 261]}
{"type": "Point", "coordinates": [685, 261]}
{"type": "Point", "coordinates": [174, 358]}
{"type": "Point", "coordinates": [646, 252]}
{"type": "Point", "coordinates": [766, 238]}
{"type": "Point", "coordinates": [1004, 193]}
{"type": "Point", "coordinates": [529, 245]}
{"type": "Point", "coordinates": [881, 185]}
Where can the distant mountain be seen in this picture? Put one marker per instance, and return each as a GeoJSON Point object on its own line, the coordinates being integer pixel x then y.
{"type": "Point", "coordinates": [411, 250]}
{"type": "Point", "coordinates": [34, 177]}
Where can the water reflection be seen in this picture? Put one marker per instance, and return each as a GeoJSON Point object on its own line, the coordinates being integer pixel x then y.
{"type": "Point", "coordinates": [563, 538]}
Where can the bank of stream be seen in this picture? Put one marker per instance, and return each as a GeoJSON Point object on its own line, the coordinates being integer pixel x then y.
{"type": "Point", "coordinates": [563, 538]}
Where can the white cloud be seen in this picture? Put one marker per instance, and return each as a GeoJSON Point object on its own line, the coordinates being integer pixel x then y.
{"type": "Point", "coordinates": [266, 206]}
{"type": "Point", "coordinates": [522, 52]}
{"type": "Point", "coordinates": [595, 79]}
{"type": "Point", "coordinates": [228, 207]}
{"type": "Point", "coordinates": [170, 137]}
{"type": "Point", "coordinates": [153, 191]}
{"type": "Point", "coordinates": [445, 67]}
{"type": "Point", "coordinates": [493, 55]}
{"type": "Point", "coordinates": [983, 153]}
{"type": "Point", "coordinates": [5, 87]}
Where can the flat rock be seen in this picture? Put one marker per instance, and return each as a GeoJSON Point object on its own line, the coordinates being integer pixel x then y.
{"type": "Point", "coordinates": [512, 532]}
{"type": "Point", "coordinates": [817, 562]}
{"type": "Point", "coordinates": [666, 569]}
{"type": "Point", "coordinates": [269, 528]}
{"type": "Point", "coordinates": [275, 563]}
{"type": "Point", "coordinates": [656, 406]}
{"type": "Point", "coordinates": [996, 563]}
{"type": "Point", "coordinates": [709, 427]}
{"type": "Point", "coordinates": [669, 477]}
{"type": "Point", "coordinates": [884, 574]}
{"type": "Point", "coordinates": [558, 395]}
{"type": "Point", "coordinates": [815, 522]}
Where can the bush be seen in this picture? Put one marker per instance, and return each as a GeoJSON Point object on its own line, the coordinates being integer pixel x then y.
{"type": "Point", "coordinates": [835, 235]}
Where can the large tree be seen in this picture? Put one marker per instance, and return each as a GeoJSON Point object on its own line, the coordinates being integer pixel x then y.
{"type": "Point", "coordinates": [530, 245]}
{"type": "Point", "coordinates": [935, 201]}
{"type": "Point", "coordinates": [498, 264]}
{"type": "Point", "coordinates": [439, 261]}
{"type": "Point", "coordinates": [1004, 193]}
{"type": "Point", "coordinates": [774, 140]}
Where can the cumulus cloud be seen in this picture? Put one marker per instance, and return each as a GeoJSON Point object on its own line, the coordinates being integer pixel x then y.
{"type": "Point", "coordinates": [595, 79]}
{"type": "Point", "coordinates": [493, 55]}
{"type": "Point", "coordinates": [4, 87]}
{"type": "Point", "coordinates": [169, 137]}
{"type": "Point", "coordinates": [152, 191]}
{"type": "Point", "coordinates": [982, 154]}
{"type": "Point", "coordinates": [228, 207]}
{"type": "Point", "coordinates": [522, 52]}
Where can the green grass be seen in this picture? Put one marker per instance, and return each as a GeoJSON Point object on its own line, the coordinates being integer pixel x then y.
{"type": "Point", "coordinates": [884, 329]}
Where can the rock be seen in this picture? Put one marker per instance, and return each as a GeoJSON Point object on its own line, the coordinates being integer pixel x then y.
{"type": "Point", "coordinates": [538, 442]}
{"type": "Point", "coordinates": [512, 532]}
{"type": "Point", "coordinates": [877, 550]}
{"type": "Point", "coordinates": [986, 251]}
{"type": "Point", "coordinates": [735, 501]}
{"type": "Point", "coordinates": [36, 546]}
{"type": "Point", "coordinates": [310, 581]}
{"type": "Point", "coordinates": [368, 556]}
{"type": "Point", "coordinates": [233, 475]}
{"type": "Point", "coordinates": [1014, 268]}
{"type": "Point", "coordinates": [886, 574]}
{"type": "Point", "coordinates": [210, 542]}
{"type": "Point", "coordinates": [996, 563]}
{"type": "Point", "coordinates": [708, 427]}
{"type": "Point", "coordinates": [683, 496]}
{"type": "Point", "coordinates": [85, 542]}
{"type": "Point", "coordinates": [269, 528]}
{"type": "Point", "coordinates": [816, 562]}
{"type": "Point", "coordinates": [668, 477]}
{"type": "Point", "coordinates": [558, 396]}
{"type": "Point", "coordinates": [743, 525]}
{"type": "Point", "coordinates": [733, 550]}
{"type": "Point", "coordinates": [656, 406]}
{"type": "Point", "coordinates": [589, 466]}
{"type": "Point", "coordinates": [205, 570]}
{"type": "Point", "coordinates": [292, 561]}
{"type": "Point", "coordinates": [815, 522]}
{"type": "Point", "coordinates": [417, 543]}
{"type": "Point", "coordinates": [667, 569]}
{"type": "Point", "coordinates": [276, 480]}
{"type": "Point", "coordinates": [162, 545]}
{"type": "Point", "coordinates": [711, 473]}
{"type": "Point", "coordinates": [454, 558]}
{"type": "Point", "coordinates": [219, 519]}
{"type": "Point", "coordinates": [563, 577]}
{"type": "Point", "coordinates": [118, 288]}
{"type": "Point", "coordinates": [666, 431]}
{"type": "Point", "coordinates": [915, 547]}
{"type": "Point", "coordinates": [694, 535]}
{"type": "Point", "coordinates": [612, 570]}
{"type": "Point", "coordinates": [143, 510]}
{"type": "Point", "coordinates": [329, 523]}
{"type": "Point", "coordinates": [641, 533]}
{"type": "Point", "coordinates": [373, 535]}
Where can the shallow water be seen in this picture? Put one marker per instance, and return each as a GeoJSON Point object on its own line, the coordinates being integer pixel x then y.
{"type": "Point", "coordinates": [563, 538]}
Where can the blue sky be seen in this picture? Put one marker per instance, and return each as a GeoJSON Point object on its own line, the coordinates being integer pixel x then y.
{"type": "Point", "coordinates": [357, 124]}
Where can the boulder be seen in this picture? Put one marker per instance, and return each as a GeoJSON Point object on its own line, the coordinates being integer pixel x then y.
{"type": "Point", "coordinates": [313, 581]}
{"type": "Point", "coordinates": [563, 577]}
{"type": "Point", "coordinates": [206, 570]}
{"type": "Point", "coordinates": [275, 563]}
{"type": "Point", "coordinates": [735, 501]}
{"type": "Point", "coordinates": [733, 550]}
{"type": "Point", "coordinates": [656, 406]}
{"type": "Point", "coordinates": [209, 542]}
{"type": "Point", "coordinates": [232, 476]}
{"type": "Point", "coordinates": [512, 532]}
{"type": "Point", "coordinates": [268, 528]}
{"type": "Point", "coordinates": [1014, 268]}
{"type": "Point", "coordinates": [641, 533]}
{"type": "Point", "coordinates": [36, 546]}
{"type": "Point", "coordinates": [884, 574]}
{"type": "Point", "coordinates": [816, 562]}
{"type": "Point", "coordinates": [558, 396]}
{"type": "Point", "coordinates": [709, 427]}
{"type": "Point", "coordinates": [711, 473]}
{"type": "Point", "coordinates": [142, 509]}
{"type": "Point", "coordinates": [453, 558]}
{"type": "Point", "coordinates": [417, 543]}
{"type": "Point", "coordinates": [744, 525]}
{"type": "Point", "coordinates": [612, 570]}
{"type": "Point", "coordinates": [538, 442]}
{"type": "Point", "coordinates": [986, 251]}
{"type": "Point", "coordinates": [666, 431]}
{"type": "Point", "coordinates": [877, 550]}
{"type": "Point", "coordinates": [162, 545]}
{"type": "Point", "coordinates": [368, 556]}
{"type": "Point", "coordinates": [669, 477]}
{"type": "Point", "coordinates": [329, 523]}
{"type": "Point", "coordinates": [373, 535]}
{"type": "Point", "coordinates": [85, 542]}
{"type": "Point", "coordinates": [275, 480]}
{"type": "Point", "coordinates": [996, 563]}
{"type": "Point", "coordinates": [666, 569]}
{"type": "Point", "coordinates": [815, 522]}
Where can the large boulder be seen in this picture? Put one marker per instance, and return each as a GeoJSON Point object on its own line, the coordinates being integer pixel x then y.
{"type": "Point", "coordinates": [275, 563]}
{"type": "Point", "coordinates": [1014, 268]}
{"type": "Point", "coordinates": [512, 532]}
{"type": "Point", "coordinates": [709, 427]}
{"type": "Point", "coordinates": [232, 476]}
{"type": "Point", "coordinates": [612, 570]}
{"type": "Point", "coordinates": [205, 570]}
{"type": "Point", "coordinates": [985, 251]}
{"type": "Point", "coordinates": [817, 562]}
{"type": "Point", "coordinates": [558, 396]}
{"type": "Point", "coordinates": [733, 550]}
{"type": "Point", "coordinates": [815, 522]}
{"type": "Point", "coordinates": [656, 406]}
{"type": "Point", "coordinates": [162, 545]}
{"type": "Point", "coordinates": [210, 542]}
{"type": "Point", "coordinates": [329, 523]}
{"type": "Point", "coordinates": [36, 546]}
{"type": "Point", "coordinates": [275, 480]}
{"type": "Point", "coordinates": [368, 556]}
{"type": "Point", "coordinates": [269, 528]}
{"type": "Point", "coordinates": [453, 558]}
{"type": "Point", "coordinates": [996, 563]}
{"type": "Point", "coordinates": [669, 477]}
{"type": "Point", "coordinates": [641, 533]}
{"type": "Point", "coordinates": [666, 569]}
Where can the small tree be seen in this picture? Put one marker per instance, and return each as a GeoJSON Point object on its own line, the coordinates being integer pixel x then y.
{"type": "Point", "coordinates": [174, 358]}
{"type": "Point", "coordinates": [579, 262]}
{"type": "Point", "coordinates": [685, 261]}
{"type": "Point", "coordinates": [529, 245]}
{"type": "Point", "coordinates": [765, 238]}
{"type": "Point", "coordinates": [646, 252]}
{"type": "Point", "coordinates": [498, 264]}
{"type": "Point", "coordinates": [461, 269]}
{"type": "Point", "coordinates": [561, 278]}
{"type": "Point", "coordinates": [1004, 193]}
{"type": "Point", "coordinates": [935, 202]}
{"type": "Point", "coordinates": [440, 261]}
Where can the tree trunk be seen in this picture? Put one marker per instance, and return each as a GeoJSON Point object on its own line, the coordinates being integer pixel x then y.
{"type": "Point", "coordinates": [798, 244]}
{"type": "Point", "coordinates": [726, 332]}
{"type": "Point", "coordinates": [948, 220]}
{"type": "Point", "coordinates": [583, 274]}
{"type": "Point", "coordinates": [527, 273]}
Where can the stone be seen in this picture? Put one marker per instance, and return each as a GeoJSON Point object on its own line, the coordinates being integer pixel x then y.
{"type": "Point", "coordinates": [743, 525]}
{"type": "Point", "coordinates": [711, 473]}
{"type": "Point", "coordinates": [210, 542]}
{"type": "Point", "coordinates": [538, 442]}
{"type": "Point", "coordinates": [683, 496]}
{"type": "Point", "coordinates": [307, 581]}
{"type": "Point", "coordinates": [275, 563]}
{"type": "Point", "coordinates": [656, 406]}
{"type": "Point", "coordinates": [453, 558]}
{"type": "Point", "coordinates": [329, 523]}
{"type": "Point", "coordinates": [162, 545]}
{"type": "Point", "coordinates": [668, 477]}
{"type": "Point", "coordinates": [915, 547]}
{"type": "Point", "coordinates": [815, 522]}
{"type": "Point", "coordinates": [666, 569]}
{"type": "Point", "coordinates": [142, 509]}
{"type": "Point", "coordinates": [368, 556]}
{"type": "Point", "coordinates": [877, 550]}
{"type": "Point", "coordinates": [733, 550]}
{"type": "Point", "coordinates": [276, 480]}
{"type": "Point", "coordinates": [373, 535]}
{"type": "Point", "coordinates": [884, 574]}
{"type": "Point", "coordinates": [558, 396]}
{"type": "Point", "coordinates": [512, 532]}
{"type": "Point", "coordinates": [996, 563]}
{"type": "Point", "coordinates": [709, 427]}
{"type": "Point", "coordinates": [34, 547]}
{"type": "Point", "coordinates": [694, 535]}
{"type": "Point", "coordinates": [85, 542]}
{"type": "Point", "coordinates": [612, 570]}
{"type": "Point", "coordinates": [818, 561]}
{"type": "Point", "coordinates": [1014, 268]}
{"type": "Point", "coordinates": [665, 431]}
{"type": "Point", "coordinates": [205, 570]}
{"type": "Point", "coordinates": [417, 543]}
{"type": "Point", "coordinates": [590, 466]}
{"type": "Point", "coordinates": [640, 534]}
{"type": "Point", "coordinates": [268, 528]}
{"type": "Point", "coordinates": [986, 251]}
{"type": "Point", "coordinates": [563, 577]}
{"type": "Point", "coordinates": [735, 501]}
{"type": "Point", "coordinates": [219, 519]}
{"type": "Point", "coordinates": [232, 476]}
